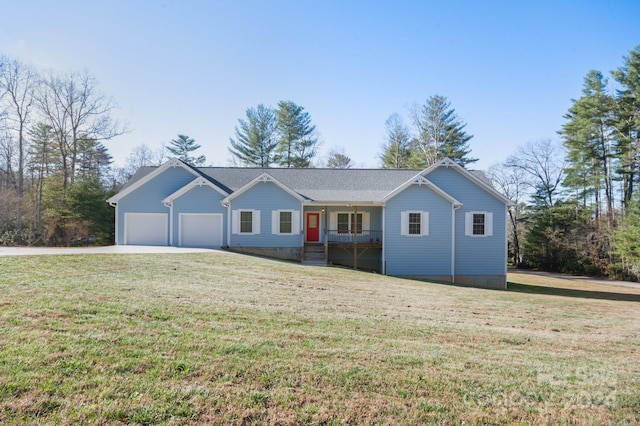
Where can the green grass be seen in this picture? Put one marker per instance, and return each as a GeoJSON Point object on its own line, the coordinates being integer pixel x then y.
{"type": "Point", "coordinates": [227, 339]}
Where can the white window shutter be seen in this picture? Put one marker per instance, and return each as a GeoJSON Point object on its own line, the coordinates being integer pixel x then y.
{"type": "Point", "coordinates": [295, 222]}
{"type": "Point", "coordinates": [468, 224]}
{"type": "Point", "coordinates": [366, 221]}
{"type": "Point", "coordinates": [404, 223]}
{"type": "Point", "coordinates": [256, 222]}
{"type": "Point", "coordinates": [333, 220]}
{"type": "Point", "coordinates": [275, 221]}
{"type": "Point", "coordinates": [425, 223]}
{"type": "Point", "coordinates": [488, 224]}
{"type": "Point", "coordinates": [235, 221]}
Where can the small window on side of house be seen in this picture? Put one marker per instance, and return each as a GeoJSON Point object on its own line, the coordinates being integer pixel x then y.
{"type": "Point", "coordinates": [415, 220]}
{"type": "Point", "coordinates": [246, 222]}
{"type": "Point", "coordinates": [286, 222]}
{"type": "Point", "coordinates": [478, 224]}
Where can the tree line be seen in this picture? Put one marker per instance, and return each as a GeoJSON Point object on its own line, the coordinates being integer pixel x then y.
{"type": "Point", "coordinates": [53, 164]}
{"type": "Point", "coordinates": [577, 204]}
{"type": "Point", "coordinates": [576, 199]}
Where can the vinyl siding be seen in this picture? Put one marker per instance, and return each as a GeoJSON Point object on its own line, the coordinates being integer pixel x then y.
{"type": "Point", "coordinates": [148, 198]}
{"type": "Point", "coordinates": [475, 255]}
{"type": "Point", "coordinates": [418, 255]}
{"type": "Point", "coordinates": [266, 197]}
{"type": "Point", "coordinates": [200, 199]}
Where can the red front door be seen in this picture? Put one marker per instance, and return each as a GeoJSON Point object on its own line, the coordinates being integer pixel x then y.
{"type": "Point", "coordinates": [313, 227]}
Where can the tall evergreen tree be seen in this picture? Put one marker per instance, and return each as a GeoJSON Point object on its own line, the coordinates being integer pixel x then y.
{"type": "Point", "coordinates": [626, 239]}
{"type": "Point", "coordinates": [628, 122]}
{"type": "Point", "coordinates": [297, 142]}
{"type": "Point", "coordinates": [397, 149]}
{"type": "Point", "coordinates": [43, 161]}
{"type": "Point", "coordinates": [588, 138]}
{"type": "Point", "coordinates": [439, 133]}
{"type": "Point", "coordinates": [182, 147]}
{"type": "Point", "coordinates": [93, 159]}
{"type": "Point", "coordinates": [255, 141]}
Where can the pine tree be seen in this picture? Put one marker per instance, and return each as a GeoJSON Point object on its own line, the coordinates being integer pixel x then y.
{"type": "Point", "coordinates": [626, 240]}
{"type": "Point", "coordinates": [397, 148]}
{"type": "Point", "coordinates": [588, 136]}
{"type": "Point", "coordinates": [255, 140]}
{"type": "Point", "coordinates": [439, 134]}
{"type": "Point", "coordinates": [628, 122]}
{"type": "Point", "coordinates": [297, 143]}
{"type": "Point", "coordinates": [337, 159]}
{"type": "Point", "coordinates": [182, 147]}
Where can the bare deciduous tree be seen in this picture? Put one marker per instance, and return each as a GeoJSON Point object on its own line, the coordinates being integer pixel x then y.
{"type": "Point", "coordinates": [18, 83]}
{"type": "Point", "coordinates": [510, 182]}
{"type": "Point", "coordinates": [76, 111]}
{"type": "Point", "coordinates": [543, 162]}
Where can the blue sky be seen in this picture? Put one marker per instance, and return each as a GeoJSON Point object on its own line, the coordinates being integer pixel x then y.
{"type": "Point", "coordinates": [509, 68]}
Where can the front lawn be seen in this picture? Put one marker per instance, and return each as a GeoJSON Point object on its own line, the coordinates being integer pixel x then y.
{"type": "Point", "coordinates": [218, 339]}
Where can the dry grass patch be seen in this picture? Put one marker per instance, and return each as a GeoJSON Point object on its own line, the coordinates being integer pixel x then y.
{"type": "Point", "coordinates": [202, 339]}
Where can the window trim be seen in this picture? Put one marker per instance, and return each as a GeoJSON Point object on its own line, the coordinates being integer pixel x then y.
{"type": "Point", "coordinates": [405, 227]}
{"type": "Point", "coordinates": [276, 222]}
{"type": "Point", "coordinates": [364, 224]}
{"type": "Point", "coordinates": [237, 223]}
{"type": "Point", "coordinates": [488, 224]}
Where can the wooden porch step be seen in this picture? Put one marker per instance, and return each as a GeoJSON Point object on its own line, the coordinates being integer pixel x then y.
{"type": "Point", "coordinates": [314, 255]}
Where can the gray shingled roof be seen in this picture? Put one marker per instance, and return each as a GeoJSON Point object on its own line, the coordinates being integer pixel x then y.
{"type": "Point", "coordinates": [328, 185]}
{"type": "Point", "coordinates": [320, 185]}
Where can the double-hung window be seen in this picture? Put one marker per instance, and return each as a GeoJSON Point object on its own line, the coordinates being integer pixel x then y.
{"type": "Point", "coordinates": [349, 223]}
{"type": "Point", "coordinates": [414, 223]}
{"type": "Point", "coordinates": [245, 221]}
{"type": "Point", "coordinates": [343, 223]}
{"type": "Point", "coordinates": [285, 222]}
{"type": "Point", "coordinates": [478, 224]}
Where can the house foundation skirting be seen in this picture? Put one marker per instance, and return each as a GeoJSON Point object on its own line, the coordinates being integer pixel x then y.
{"type": "Point", "coordinates": [284, 253]}
{"type": "Point", "coordinates": [483, 281]}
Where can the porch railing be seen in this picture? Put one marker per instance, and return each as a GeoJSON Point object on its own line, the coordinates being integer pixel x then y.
{"type": "Point", "coordinates": [366, 236]}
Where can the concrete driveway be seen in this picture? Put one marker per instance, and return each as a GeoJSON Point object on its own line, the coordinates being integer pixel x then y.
{"type": "Point", "coordinates": [34, 251]}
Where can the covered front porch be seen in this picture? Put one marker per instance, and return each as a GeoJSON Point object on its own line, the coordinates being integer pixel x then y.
{"type": "Point", "coordinates": [347, 235]}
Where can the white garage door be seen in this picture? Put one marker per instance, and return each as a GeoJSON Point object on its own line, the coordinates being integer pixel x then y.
{"type": "Point", "coordinates": [200, 230]}
{"type": "Point", "coordinates": [146, 229]}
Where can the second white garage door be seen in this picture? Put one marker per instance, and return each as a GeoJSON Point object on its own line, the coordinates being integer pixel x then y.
{"type": "Point", "coordinates": [200, 230]}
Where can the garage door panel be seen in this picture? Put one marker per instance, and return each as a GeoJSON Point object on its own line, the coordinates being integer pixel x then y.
{"type": "Point", "coordinates": [200, 230]}
{"type": "Point", "coordinates": [148, 229]}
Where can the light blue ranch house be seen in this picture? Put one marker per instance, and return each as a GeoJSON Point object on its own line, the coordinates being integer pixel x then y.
{"type": "Point", "coordinates": [444, 223]}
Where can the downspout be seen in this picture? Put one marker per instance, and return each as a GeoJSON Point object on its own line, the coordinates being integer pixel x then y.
{"type": "Point", "coordinates": [383, 266]}
{"type": "Point", "coordinates": [453, 242]}
{"type": "Point", "coordinates": [506, 249]}
{"type": "Point", "coordinates": [170, 206]}
{"type": "Point", "coordinates": [229, 225]}
{"type": "Point", "coordinates": [171, 225]}
{"type": "Point", "coordinates": [302, 230]}
{"type": "Point", "coordinates": [117, 223]}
